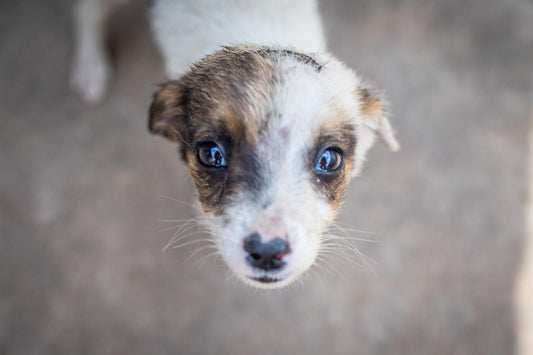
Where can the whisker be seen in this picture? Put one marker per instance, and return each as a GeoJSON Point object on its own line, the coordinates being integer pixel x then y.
{"type": "Point", "coordinates": [182, 202]}
{"type": "Point", "coordinates": [344, 229]}
{"type": "Point", "coordinates": [341, 253]}
{"type": "Point", "coordinates": [203, 260]}
{"type": "Point", "coordinates": [179, 220]}
{"type": "Point", "coordinates": [180, 136]}
{"type": "Point", "coordinates": [199, 250]}
{"type": "Point", "coordinates": [181, 226]}
{"type": "Point", "coordinates": [329, 265]}
{"type": "Point", "coordinates": [190, 242]}
{"type": "Point", "coordinates": [179, 235]}
{"type": "Point", "coordinates": [335, 237]}
{"type": "Point", "coordinates": [337, 245]}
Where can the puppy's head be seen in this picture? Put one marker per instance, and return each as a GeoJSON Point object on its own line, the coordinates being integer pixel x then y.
{"type": "Point", "coordinates": [271, 138]}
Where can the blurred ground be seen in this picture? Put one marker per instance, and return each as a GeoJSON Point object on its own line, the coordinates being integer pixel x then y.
{"type": "Point", "coordinates": [81, 267]}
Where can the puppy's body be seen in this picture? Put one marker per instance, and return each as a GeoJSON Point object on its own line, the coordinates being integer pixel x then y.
{"type": "Point", "coordinates": [188, 30]}
{"type": "Point", "coordinates": [271, 127]}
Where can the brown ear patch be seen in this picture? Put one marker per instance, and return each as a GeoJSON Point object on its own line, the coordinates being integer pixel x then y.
{"type": "Point", "coordinates": [372, 105]}
{"type": "Point", "coordinates": [375, 117]}
{"type": "Point", "coordinates": [167, 113]}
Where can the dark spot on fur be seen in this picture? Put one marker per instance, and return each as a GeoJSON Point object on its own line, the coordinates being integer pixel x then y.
{"type": "Point", "coordinates": [301, 57]}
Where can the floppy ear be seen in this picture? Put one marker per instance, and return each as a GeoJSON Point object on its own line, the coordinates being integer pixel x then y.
{"type": "Point", "coordinates": [375, 118]}
{"type": "Point", "coordinates": [167, 113]}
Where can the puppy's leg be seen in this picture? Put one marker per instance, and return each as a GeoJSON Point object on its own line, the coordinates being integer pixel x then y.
{"type": "Point", "coordinates": [92, 68]}
{"type": "Point", "coordinates": [524, 289]}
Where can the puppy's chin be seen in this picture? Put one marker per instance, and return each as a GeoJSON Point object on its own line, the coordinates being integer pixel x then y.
{"type": "Point", "coordinates": [268, 279]}
{"type": "Point", "coordinates": [269, 282]}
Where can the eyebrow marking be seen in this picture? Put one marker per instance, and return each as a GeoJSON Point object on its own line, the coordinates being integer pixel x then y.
{"type": "Point", "coordinates": [301, 57]}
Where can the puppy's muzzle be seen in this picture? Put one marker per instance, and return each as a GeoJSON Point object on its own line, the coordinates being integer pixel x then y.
{"type": "Point", "coordinates": [266, 256]}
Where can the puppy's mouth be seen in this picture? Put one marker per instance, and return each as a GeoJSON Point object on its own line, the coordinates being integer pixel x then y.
{"type": "Point", "coordinates": [266, 279]}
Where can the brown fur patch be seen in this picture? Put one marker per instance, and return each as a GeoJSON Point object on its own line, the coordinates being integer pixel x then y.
{"type": "Point", "coordinates": [371, 103]}
{"type": "Point", "coordinates": [167, 111]}
{"type": "Point", "coordinates": [223, 98]}
{"type": "Point", "coordinates": [339, 135]}
{"type": "Point", "coordinates": [375, 117]}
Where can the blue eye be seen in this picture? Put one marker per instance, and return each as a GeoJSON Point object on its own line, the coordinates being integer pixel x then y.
{"type": "Point", "coordinates": [329, 161]}
{"type": "Point", "coordinates": [210, 155]}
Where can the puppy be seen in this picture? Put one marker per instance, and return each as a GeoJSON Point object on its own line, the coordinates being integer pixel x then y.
{"type": "Point", "coordinates": [271, 126]}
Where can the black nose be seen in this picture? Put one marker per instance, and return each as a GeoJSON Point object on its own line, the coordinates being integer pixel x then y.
{"type": "Point", "coordinates": [266, 256]}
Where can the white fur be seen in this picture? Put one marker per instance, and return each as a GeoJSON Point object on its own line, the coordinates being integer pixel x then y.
{"type": "Point", "coordinates": [187, 30]}
{"type": "Point", "coordinates": [92, 68]}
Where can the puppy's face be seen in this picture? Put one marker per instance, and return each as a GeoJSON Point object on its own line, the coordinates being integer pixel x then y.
{"type": "Point", "coordinates": [271, 138]}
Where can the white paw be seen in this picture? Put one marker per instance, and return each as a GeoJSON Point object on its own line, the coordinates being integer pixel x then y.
{"type": "Point", "coordinates": [90, 76]}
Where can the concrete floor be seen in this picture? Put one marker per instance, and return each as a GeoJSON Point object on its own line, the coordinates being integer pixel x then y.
{"type": "Point", "coordinates": [83, 190]}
